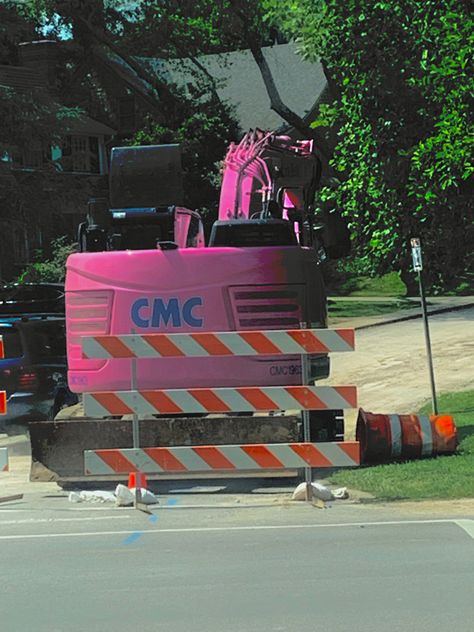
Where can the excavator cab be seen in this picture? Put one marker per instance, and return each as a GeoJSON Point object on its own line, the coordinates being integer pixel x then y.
{"type": "Point", "coordinates": [144, 212]}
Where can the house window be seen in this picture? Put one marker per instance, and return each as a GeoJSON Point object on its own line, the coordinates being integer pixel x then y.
{"type": "Point", "coordinates": [32, 157]}
{"type": "Point", "coordinates": [80, 154]}
{"type": "Point", "coordinates": [20, 248]}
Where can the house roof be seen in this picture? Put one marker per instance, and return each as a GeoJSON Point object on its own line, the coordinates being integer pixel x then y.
{"type": "Point", "coordinates": [85, 125]}
{"type": "Point", "coordinates": [21, 78]}
{"type": "Point", "coordinates": [239, 83]}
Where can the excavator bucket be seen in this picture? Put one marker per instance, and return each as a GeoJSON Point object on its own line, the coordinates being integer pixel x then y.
{"type": "Point", "coordinates": [57, 447]}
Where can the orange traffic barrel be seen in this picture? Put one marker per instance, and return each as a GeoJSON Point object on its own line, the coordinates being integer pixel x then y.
{"type": "Point", "coordinates": [385, 438]}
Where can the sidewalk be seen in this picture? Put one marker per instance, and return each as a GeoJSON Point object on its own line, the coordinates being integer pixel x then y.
{"type": "Point", "coordinates": [435, 305]}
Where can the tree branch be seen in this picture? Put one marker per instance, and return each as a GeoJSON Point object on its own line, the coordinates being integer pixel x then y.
{"type": "Point", "coordinates": [276, 102]}
{"type": "Point", "coordinates": [159, 86]}
{"type": "Point", "coordinates": [123, 74]}
{"type": "Point", "coordinates": [208, 75]}
{"type": "Point", "coordinates": [283, 110]}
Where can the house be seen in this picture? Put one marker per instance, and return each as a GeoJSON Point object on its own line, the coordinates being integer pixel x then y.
{"type": "Point", "coordinates": [237, 80]}
{"type": "Point", "coordinates": [44, 188]}
{"type": "Point", "coordinates": [63, 177]}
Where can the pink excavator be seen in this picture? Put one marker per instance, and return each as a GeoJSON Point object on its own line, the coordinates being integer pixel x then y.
{"type": "Point", "coordinates": [144, 267]}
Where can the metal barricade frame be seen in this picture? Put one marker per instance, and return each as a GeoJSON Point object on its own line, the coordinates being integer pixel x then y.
{"type": "Point", "coordinates": [220, 458]}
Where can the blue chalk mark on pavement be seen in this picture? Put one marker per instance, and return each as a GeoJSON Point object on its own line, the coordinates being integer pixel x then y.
{"type": "Point", "coordinates": [133, 537]}
{"type": "Point", "coordinates": [136, 535]}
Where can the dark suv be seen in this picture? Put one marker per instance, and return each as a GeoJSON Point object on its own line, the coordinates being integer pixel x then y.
{"type": "Point", "coordinates": [34, 370]}
{"type": "Point", "coordinates": [32, 298]}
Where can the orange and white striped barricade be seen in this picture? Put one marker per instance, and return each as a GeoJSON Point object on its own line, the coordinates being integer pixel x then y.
{"type": "Point", "coordinates": [222, 458]}
{"type": "Point", "coordinates": [3, 395]}
{"type": "Point", "coordinates": [228, 343]}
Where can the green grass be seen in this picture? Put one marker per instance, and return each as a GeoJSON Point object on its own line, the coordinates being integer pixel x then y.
{"type": "Point", "coordinates": [442, 477]}
{"type": "Point", "coordinates": [354, 284]}
{"type": "Point", "coordinates": [388, 285]}
{"type": "Point", "coordinates": [351, 309]}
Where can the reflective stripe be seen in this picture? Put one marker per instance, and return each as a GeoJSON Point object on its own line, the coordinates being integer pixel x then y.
{"type": "Point", "coordinates": [93, 464]}
{"type": "Point", "coordinates": [185, 401]}
{"type": "Point", "coordinates": [243, 399]}
{"type": "Point", "coordinates": [426, 435]}
{"type": "Point", "coordinates": [241, 457]}
{"type": "Point", "coordinates": [190, 460]}
{"type": "Point", "coordinates": [92, 408]}
{"type": "Point", "coordinates": [190, 347]}
{"type": "Point", "coordinates": [141, 347]}
{"type": "Point", "coordinates": [333, 341]}
{"type": "Point", "coordinates": [332, 398]}
{"type": "Point", "coordinates": [144, 463]}
{"type": "Point", "coordinates": [284, 342]}
{"type": "Point", "coordinates": [235, 401]}
{"type": "Point", "coordinates": [280, 342]}
{"type": "Point", "coordinates": [288, 456]}
{"type": "Point", "coordinates": [333, 453]}
{"type": "Point", "coordinates": [237, 345]}
{"type": "Point", "coordinates": [282, 398]}
{"type": "Point", "coordinates": [396, 433]}
{"type": "Point", "coordinates": [93, 349]}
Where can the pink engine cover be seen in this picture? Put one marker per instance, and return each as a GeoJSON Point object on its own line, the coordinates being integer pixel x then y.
{"type": "Point", "coordinates": [193, 289]}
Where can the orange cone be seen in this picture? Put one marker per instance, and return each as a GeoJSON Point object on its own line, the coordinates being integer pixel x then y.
{"type": "Point", "coordinates": [137, 480]}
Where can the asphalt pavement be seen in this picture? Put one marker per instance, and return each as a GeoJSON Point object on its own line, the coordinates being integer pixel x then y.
{"type": "Point", "coordinates": [216, 557]}
{"type": "Point", "coordinates": [275, 568]}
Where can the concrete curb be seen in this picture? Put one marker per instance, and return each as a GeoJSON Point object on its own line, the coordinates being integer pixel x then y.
{"type": "Point", "coordinates": [403, 317]}
{"type": "Point", "coordinates": [396, 318]}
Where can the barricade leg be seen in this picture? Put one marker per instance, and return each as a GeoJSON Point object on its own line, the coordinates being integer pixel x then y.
{"type": "Point", "coordinates": [3, 459]}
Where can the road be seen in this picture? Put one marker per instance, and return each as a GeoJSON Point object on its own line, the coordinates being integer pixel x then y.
{"type": "Point", "coordinates": [389, 365]}
{"type": "Point", "coordinates": [274, 568]}
{"type": "Point", "coordinates": [220, 561]}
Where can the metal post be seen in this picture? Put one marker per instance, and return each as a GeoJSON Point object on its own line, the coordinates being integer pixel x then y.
{"type": "Point", "coordinates": [135, 424]}
{"type": "Point", "coordinates": [306, 424]}
{"type": "Point", "coordinates": [418, 268]}
{"type": "Point", "coordinates": [428, 344]}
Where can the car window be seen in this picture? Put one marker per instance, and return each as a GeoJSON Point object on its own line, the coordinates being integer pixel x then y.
{"type": "Point", "coordinates": [11, 342]}
{"type": "Point", "coordinates": [30, 293]}
{"type": "Point", "coordinates": [35, 293]}
{"type": "Point", "coordinates": [6, 293]}
{"type": "Point", "coordinates": [48, 340]}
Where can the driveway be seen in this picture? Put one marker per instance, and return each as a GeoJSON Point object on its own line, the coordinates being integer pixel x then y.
{"type": "Point", "coordinates": [390, 367]}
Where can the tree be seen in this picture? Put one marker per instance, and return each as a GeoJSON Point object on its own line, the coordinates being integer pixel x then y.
{"type": "Point", "coordinates": [172, 29]}
{"type": "Point", "coordinates": [105, 58]}
{"type": "Point", "coordinates": [25, 117]}
{"type": "Point", "coordinates": [29, 119]}
{"type": "Point", "coordinates": [52, 270]}
{"type": "Point", "coordinates": [204, 26]}
{"type": "Point", "coordinates": [402, 87]}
